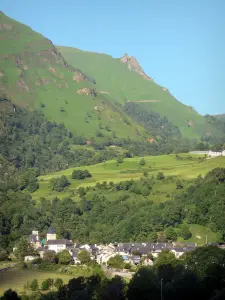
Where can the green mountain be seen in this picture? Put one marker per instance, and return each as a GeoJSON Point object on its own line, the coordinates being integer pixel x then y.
{"type": "Point", "coordinates": [93, 94]}
{"type": "Point", "coordinates": [124, 80]}
{"type": "Point", "coordinates": [34, 74]}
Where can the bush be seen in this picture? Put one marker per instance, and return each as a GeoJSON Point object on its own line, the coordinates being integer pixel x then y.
{"type": "Point", "coordinates": [34, 285]}
{"type": "Point", "coordinates": [3, 255]}
{"type": "Point", "coordinates": [58, 283]}
{"type": "Point", "coordinates": [160, 176]}
{"type": "Point", "coordinates": [120, 160]}
{"type": "Point", "coordinates": [58, 184]}
{"type": "Point", "coordinates": [81, 174]}
{"type": "Point", "coordinates": [142, 162]}
{"type": "Point", "coordinates": [116, 262]}
{"type": "Point", "coordinates": [44, 285]}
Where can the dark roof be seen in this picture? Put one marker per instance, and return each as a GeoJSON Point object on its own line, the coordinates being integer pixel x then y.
{"type": "Point", "coordinates": [32, 238]}
{"type": "Point", "coordinates": [75, 252]}
{"type": "Point", "coordinates": [51, 230]}
{"type": "Point", "coordinates": [59, 242]}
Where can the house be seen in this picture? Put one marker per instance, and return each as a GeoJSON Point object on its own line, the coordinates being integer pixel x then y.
{"type": "Point", "coordinates": [29, 258]}
{"type": "Point", "coordinates": [148, 262]}
{"type": "Point", "coordinates": [59, 245]}
{"type": "Point", "coordinates": [74, 253]}
{"type": "Point", "coordinates": [216, 153]}
{"type": "Point", "coordinates": [178, 252]}
{"type": "Point", "coordinates": [34, 239]}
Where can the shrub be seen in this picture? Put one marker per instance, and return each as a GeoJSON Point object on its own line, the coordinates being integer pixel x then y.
{"type": "Point", "coordinates": [34, 285]}
{"type": "Point", "coordinates": [81, 174]}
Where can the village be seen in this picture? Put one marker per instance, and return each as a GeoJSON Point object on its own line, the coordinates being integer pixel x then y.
{"type": "Point", "coordinates": [132, 253]}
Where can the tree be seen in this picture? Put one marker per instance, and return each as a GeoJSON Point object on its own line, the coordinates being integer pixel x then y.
{"type": "Point", "coordinates": [3, 255]}
{"type": "Point", "coordinates": [34, 285]}
{"type": "Point", "coordinates": [116, 262]}
{"type": "Point", "coordinates": [58, 283]}
{"type": "Point", "coordinates": [23, 249]}
{"type": "Point", "coordinates": [58, 184]}
{"type": "Point", "coordinates": [170, 234]}
{"type": "Point", "coordinates": [143, 285]}
{"type": "Point", "coordinates": [179, 185]}
{"type": "Point", "coordinates": [44, 285]}
{"type": "Point", "coordinates": [160, 176]}
{"type": "Point", "coordinates": [165, 257]}
{"type": "Point", "coordinates": [84, 257]}
{"type": "Point", "coordinates": [185, 232]}
{"type": "Point", "coordinates": [80, 174]}
{"type": "Point", "coordinates": [64, 257]}
{"type": "Point", "coordinates": [120, 159]}
{"type": "Point", "coordinates": [10, 295]}
{"type": "Point", "coordinates": [142, 162]}
{"type": "Point", "coordinates": [50, 257]}
{"type": "Point", "coordinates": [145, 191]}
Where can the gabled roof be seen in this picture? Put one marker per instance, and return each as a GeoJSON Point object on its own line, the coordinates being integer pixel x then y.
{"type": "Point", "coordinates": [51, 230]}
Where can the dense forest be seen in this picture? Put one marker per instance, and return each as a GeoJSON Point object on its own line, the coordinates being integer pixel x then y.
{"type": "Point", "coordinates": [152, 121]}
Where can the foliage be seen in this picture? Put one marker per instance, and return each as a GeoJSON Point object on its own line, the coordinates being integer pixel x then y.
{"type": "Point", "coordinates": [64, 257]}
{"type": "Point", "coordinates": [58, 283]}
{"type": "Point", "coordinates": [170, 234]}
{"type": "Point", "coordinates": [142, 162]}
{"type": "Point", "coordinates": [24, 248]}
{"type": "Point", "coordinates": [34, 285]}
{"type": "Point", "coordinates": [3, 254]}
{"type": "Point", "coordinates": [59, 184]}
{"type": "Point", "coordinates": [81, 174]}
{"type": "Point", "coordinates": [160, 176]}
{"type": "Point", "coordinates": [116, 262]}
{"type": "Point", "coordinates": [84, 257]}
{"type": "Point", "coordinates": [185, 232]}
{"type": "Point", "coordinates": [50, 257]}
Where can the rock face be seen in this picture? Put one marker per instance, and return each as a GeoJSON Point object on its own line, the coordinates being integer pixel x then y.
{"type": "Point", "coordinates": [87, 91]}
{"type": "Point", "coordinates": [133, 65]}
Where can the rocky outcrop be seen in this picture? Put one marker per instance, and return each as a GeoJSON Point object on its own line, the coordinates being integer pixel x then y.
{"type": "Point", "coordinates": [86, 91]}
{"type": "Point", "coordinates": [78, 77]}
{"type": "Point", "coordinates": [133, 65]}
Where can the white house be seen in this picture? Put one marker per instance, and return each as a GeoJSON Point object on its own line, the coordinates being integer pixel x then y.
{"type": "Point", "coordinates": [216, 153]}
{"type": "Point", "coordinates": [59, 245]}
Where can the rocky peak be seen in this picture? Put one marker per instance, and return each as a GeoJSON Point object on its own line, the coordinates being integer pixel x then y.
{"type": "Point", "coordinates": [133, 65]}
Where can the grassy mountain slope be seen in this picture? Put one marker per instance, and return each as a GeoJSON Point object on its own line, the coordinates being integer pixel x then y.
{"type": "Point", "coordinates": [124, 84]}
{"type": "Point", "coordinates": [34, 74]}
{"type": "Point", "coordinates": [185, 169]}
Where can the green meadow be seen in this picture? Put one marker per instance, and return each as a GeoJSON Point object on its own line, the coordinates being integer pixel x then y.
{"type": "Point", "coordinates": [17, 277]}
{"type": "Point", "coordinates": [185, 168]}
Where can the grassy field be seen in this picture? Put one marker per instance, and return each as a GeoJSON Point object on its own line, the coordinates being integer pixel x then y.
{"type": "Point", "coordinates": [17, 277]}
{"type": "Point", "coordinates": [185, 169]}
{"type": "Point", "coordinates": [200, 235]}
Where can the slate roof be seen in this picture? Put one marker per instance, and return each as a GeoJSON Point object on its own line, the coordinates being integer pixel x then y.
{"type": "Point", "coordinates": [51, 230]}
{"type": "Point", "coordinates": [75, 252]}
{"type": "Point", "coordinates": [59, 242]}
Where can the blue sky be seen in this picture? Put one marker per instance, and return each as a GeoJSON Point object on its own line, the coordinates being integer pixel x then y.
{"type": "Point", "coordinates": [180, 44]}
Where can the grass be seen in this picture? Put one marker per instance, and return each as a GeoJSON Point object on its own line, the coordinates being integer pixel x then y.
{"type": "Point", "coordinates": [200, 234]}
{"type": "Point", "coordinates": [46, 80]}
{"type": "Point", "coordinates": [34, 73]}
{"type": "Point", "coordinates": [114, 77]}
{"type": "Point", "coordinates": [185, 169]}
{"type": "Point", "coordinates": [17, 277]}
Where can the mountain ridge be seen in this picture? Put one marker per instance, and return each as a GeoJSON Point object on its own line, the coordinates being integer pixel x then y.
{"type": "Point", "coordinates": [87, 91]}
